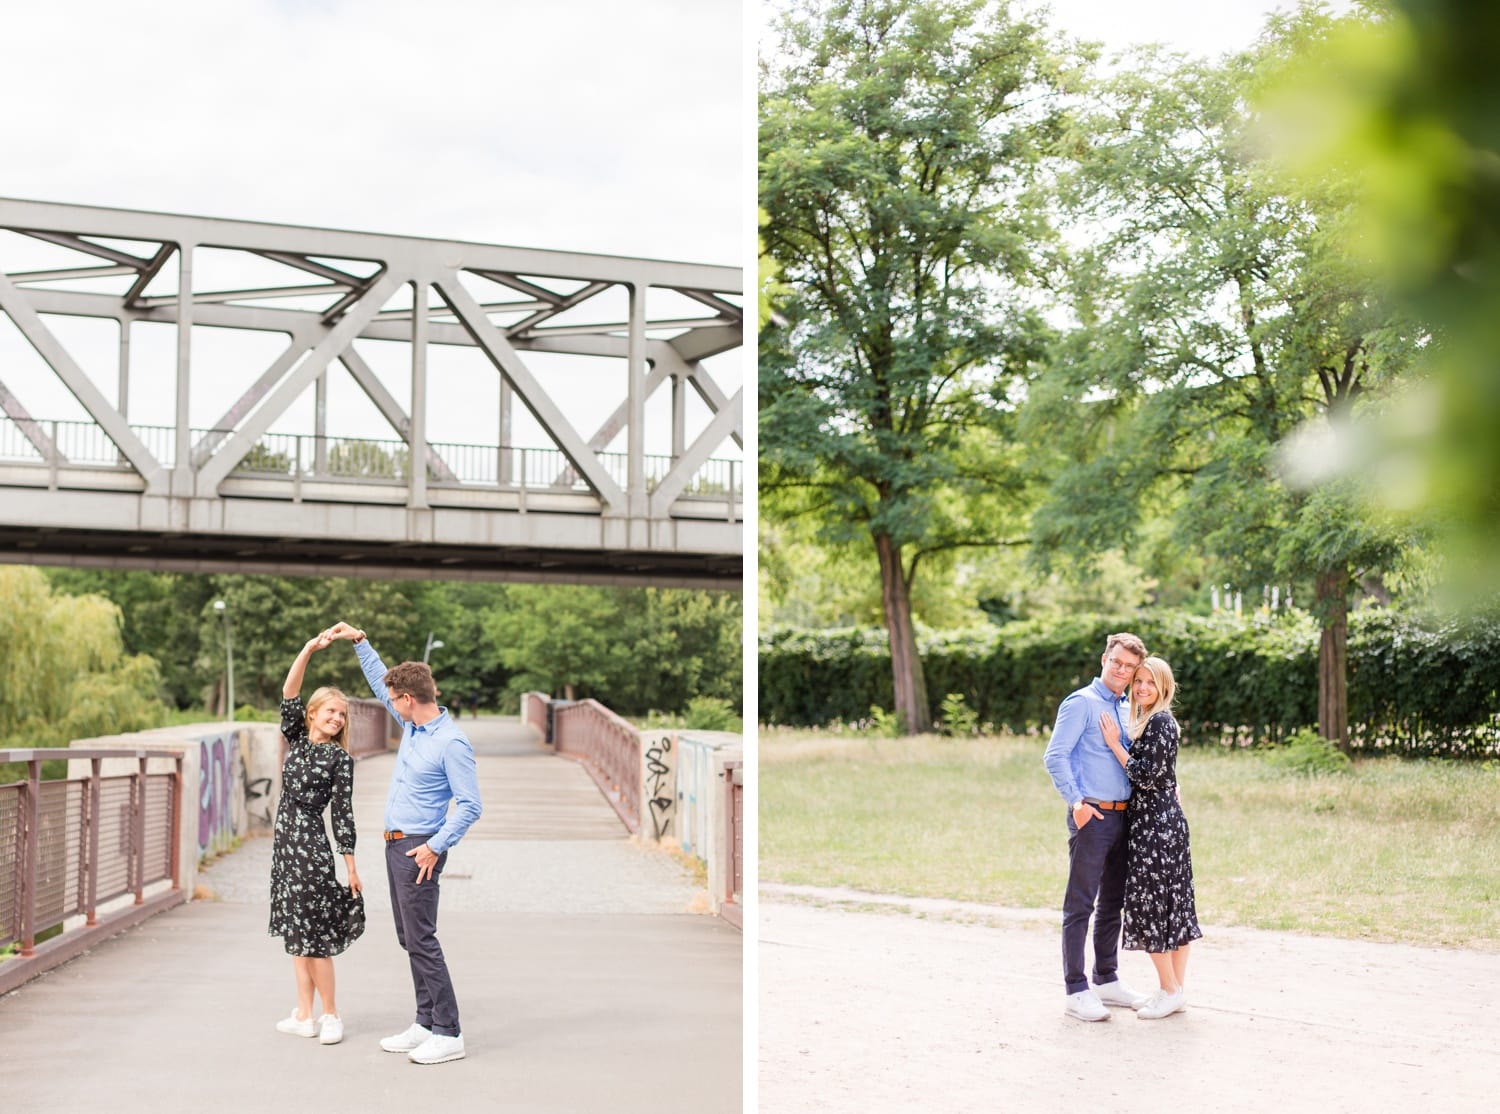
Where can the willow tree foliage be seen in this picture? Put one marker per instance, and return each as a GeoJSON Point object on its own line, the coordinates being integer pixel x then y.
{"type": "Point", "coordinates": [64, 673]}
{"type": "Point", "coordinates": [900, 142]}
{"type": "Point", "coordinates": [1218, 313]}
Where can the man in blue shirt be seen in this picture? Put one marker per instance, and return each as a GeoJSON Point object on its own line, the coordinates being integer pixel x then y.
{"type": "Point", "coordinates": [435, 765]}
{"type": "Point", "coordinates": [1090, 779]}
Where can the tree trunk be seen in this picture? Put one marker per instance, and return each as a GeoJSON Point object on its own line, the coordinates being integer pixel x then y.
{"type": "Point", "coordinates": [1331, 605]}
{"type": "Point", "coordinates": [906, 667]}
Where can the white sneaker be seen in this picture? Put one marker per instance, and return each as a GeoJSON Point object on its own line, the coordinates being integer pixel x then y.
{"type": "Point", "coordinates": [330, 1029]}
{"type": "Point", "coordinates": [405, 1042]}
{"type": "Point", "coordinates": [303, 1027]}
{"type": "Point", "coordinates": [1085, 1006]}
{"type": "Point", "coordinates": [437, 1049]}
{"type": "Point", "coordinates": [1118, 994]}
{"type": "Point", "coordinates": [1162, 1005]}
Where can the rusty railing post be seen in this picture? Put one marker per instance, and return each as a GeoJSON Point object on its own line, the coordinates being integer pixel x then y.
{"type": "Point", "coordinates": [176, 844]}
{"type": "Point", "coordinates": [138, 830]}
{"type": "Point", "coordinates": [31, 849]}
{"type": "Point", "coordinates": [90, 843]}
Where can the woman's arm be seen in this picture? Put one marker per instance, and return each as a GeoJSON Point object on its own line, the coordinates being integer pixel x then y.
{"type": "Point", "coordinates": [1150, 758]}
{"type": "Point", "coordinates": [343, 817]}
{"type": "Point", "coordinates": [293, 683]}
{"type": "Point", "coordinates": [355, 885]}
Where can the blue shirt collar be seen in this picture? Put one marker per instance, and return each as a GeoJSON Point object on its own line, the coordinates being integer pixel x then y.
{"type": "Point", "coordinates": [433, 723]}
{"type": "Point", "coordinates": [1104, 691]}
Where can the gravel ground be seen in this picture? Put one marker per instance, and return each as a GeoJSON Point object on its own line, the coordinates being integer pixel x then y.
{"type": "Point", "coordinates": [869, 1003]}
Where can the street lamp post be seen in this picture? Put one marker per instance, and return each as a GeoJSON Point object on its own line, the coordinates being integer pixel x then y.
{"type": "Point", "coordinates": [223, 610]}
{"type": "Point", "coordinates": [432, 644]}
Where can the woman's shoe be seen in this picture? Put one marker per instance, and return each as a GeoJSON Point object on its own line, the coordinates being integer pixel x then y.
{"type": "Point", "coordinates": [298, 1027]}
{"type": "Point", "coordinates": [1162, 1005]}
{"type": "Point", "coordinates": [330, 1029]}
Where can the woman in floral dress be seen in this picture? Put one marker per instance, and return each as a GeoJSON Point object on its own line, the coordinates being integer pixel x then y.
{"type": "Point", "coordinates": [315, 915]}
{"type": "Point", "coordinates": [1160, 913]}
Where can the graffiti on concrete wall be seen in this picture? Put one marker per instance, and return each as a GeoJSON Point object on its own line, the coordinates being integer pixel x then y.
{"type": "Point", "coordinates": [223, 794]}
{"type": "Point", "coordinates": [658, 786]}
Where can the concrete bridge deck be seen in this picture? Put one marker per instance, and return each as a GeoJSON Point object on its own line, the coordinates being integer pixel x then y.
{"type": "Point", "coordinates": [584, 982]}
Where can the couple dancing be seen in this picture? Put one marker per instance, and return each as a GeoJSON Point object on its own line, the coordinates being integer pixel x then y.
{"type": "Point", "coordinates": [317, 916]}
{"type": "Point", "coordinates": [1113, 758]}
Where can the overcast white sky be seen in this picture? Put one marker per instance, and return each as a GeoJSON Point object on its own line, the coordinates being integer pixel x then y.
{"type": "Point", "coordinates": [586, 125]}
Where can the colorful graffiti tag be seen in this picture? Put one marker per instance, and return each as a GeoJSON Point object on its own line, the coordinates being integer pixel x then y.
{"type": "Point", "coordinates": [222, 794]}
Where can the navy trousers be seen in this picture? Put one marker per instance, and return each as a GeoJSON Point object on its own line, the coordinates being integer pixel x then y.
{"type": "Point", "coordinates": [1096, 888]}
{"type": "Point", "coordinates": [415, 908]}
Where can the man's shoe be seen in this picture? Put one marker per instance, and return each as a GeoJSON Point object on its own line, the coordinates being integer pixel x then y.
{"type": "Point", "coordinates": [437, 1049]}
{"type": "Point", "coordinates": [1162, 1005]}
{"type": "Point", "coordinates": [1118, 994]}
{"type": "Point", "coordinates": [330, 1029]}
{"type": "Point", "coordinates": [304, 1027]}
{"type": "Point", "coordinates": [405, 1042]}
{"type": "Point", "coordinates": [1085, 1006]}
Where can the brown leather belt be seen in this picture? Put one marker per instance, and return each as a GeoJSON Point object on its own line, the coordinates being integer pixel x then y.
{"type": "Point", "coordinates": [391, 837]}
{"type": "Point", "coordinates": [1107, 806]}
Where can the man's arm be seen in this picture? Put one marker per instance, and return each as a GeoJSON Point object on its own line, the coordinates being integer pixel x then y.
{"type": "Point", "coordinates": [1067, 733]}
{"type": "Point", "coordinates": [463, 780]}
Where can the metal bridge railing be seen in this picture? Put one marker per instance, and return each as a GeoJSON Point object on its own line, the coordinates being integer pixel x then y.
{"type": "Point", "coordinates": [609, 748]}
{"type": "Point", "coordinates": [307, 457]}
{"type": "Point", "coordinates": [69, 847]}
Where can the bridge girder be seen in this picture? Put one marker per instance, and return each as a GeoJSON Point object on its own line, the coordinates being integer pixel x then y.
{"type": "Point", "coordinates": [326, 291]}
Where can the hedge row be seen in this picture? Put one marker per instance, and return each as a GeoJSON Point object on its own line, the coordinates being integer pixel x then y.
{"type": "Point", "coordinates": [1418, 686]}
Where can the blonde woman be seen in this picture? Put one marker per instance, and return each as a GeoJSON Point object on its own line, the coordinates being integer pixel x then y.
{"type": "Point", "coordinates": [1160, 914]}
{"type": "Point", "coordinates": [316, 916]}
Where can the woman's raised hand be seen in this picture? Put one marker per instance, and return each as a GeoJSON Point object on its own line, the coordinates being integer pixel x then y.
{"type": "Point", "coordinates": [342, 629]}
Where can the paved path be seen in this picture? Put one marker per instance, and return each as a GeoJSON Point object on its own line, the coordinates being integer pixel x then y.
{"type": "Point", "coordinates": [585, 983]}
{"type": "Point", "coordinates": [876, 1004]}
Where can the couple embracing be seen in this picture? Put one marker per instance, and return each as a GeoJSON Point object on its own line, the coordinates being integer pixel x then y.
{"type": "Point", "coordinates": [1113, 759]}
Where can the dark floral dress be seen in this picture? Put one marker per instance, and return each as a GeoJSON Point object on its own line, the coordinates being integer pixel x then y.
{"type": "Point", "coordinates": [1160, 914]}
{"type": "Point", "coordinates": [311, 910]}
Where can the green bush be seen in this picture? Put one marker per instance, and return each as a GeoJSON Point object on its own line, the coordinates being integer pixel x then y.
{"type": "Point", "coordinates": [1306, 752]}
{"type": "Point", "coordinates": [1418, 685]}
{"type": "Point", "coordinates": [712, 713]}
{"type": "Point", "coordinates": [956, 718]}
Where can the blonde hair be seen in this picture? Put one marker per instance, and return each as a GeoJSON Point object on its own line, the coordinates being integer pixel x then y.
{"type": "Point", "coordinates": [1166, 688]}
{"type": "Point", "coordinates": [318, 699]}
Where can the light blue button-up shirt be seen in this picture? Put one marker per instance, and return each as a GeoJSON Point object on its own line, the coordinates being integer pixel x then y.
{"type": "Point", "coordinates": [1078, 758]}
{"type": "Point", "coordinates": [434, 766]}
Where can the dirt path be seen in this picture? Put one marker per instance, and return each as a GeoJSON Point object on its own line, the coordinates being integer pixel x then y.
{"type": "Point", "coordinates": [877, 1004]}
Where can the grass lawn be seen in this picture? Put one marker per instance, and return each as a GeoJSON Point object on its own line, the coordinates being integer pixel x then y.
{"type": "Point", "coordinates": [1395, 850]}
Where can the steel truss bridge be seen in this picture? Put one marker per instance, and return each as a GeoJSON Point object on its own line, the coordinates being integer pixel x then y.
{"type": "Point", "coordinates": [234, 494]}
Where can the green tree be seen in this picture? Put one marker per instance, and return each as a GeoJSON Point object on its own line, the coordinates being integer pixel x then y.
{"type": "Point", "coordinates": [899, 146]}
{"type": "Point", "coordinates": [633, 649]}
{"type": "Point", "coordinates": [1409, 100]}
{"type": "Point", "coordinates": [1217, 313]}
{"type": "Point", "coordinates": [159, 614]}
{"type": "Point", "coordinates": [64, 673]}
{"type": "Point", "coordinates": [271, 617]}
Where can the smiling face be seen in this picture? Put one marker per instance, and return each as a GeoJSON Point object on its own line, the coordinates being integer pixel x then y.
{"type": "Point", "coordinates": [1120, 666]}
{"type": "Point", "coordinates": [1145, 691]}
{"type": "Point", "coordinates": [326, 719]}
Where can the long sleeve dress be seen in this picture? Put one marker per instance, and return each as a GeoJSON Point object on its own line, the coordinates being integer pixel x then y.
{"type": "Point", "coordinates": [311, 910]}
{"type": "Point", "coordinates": [1160, 912]}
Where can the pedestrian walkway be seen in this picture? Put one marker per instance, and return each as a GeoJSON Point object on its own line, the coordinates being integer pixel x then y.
{"type": "Point", "coordinates": [585, 982]}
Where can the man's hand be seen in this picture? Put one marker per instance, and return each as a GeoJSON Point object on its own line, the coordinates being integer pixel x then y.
{"type": "Point", "coordinates": [426, 860]}
{"type": "Point", "coordinates": [1084, 813]}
